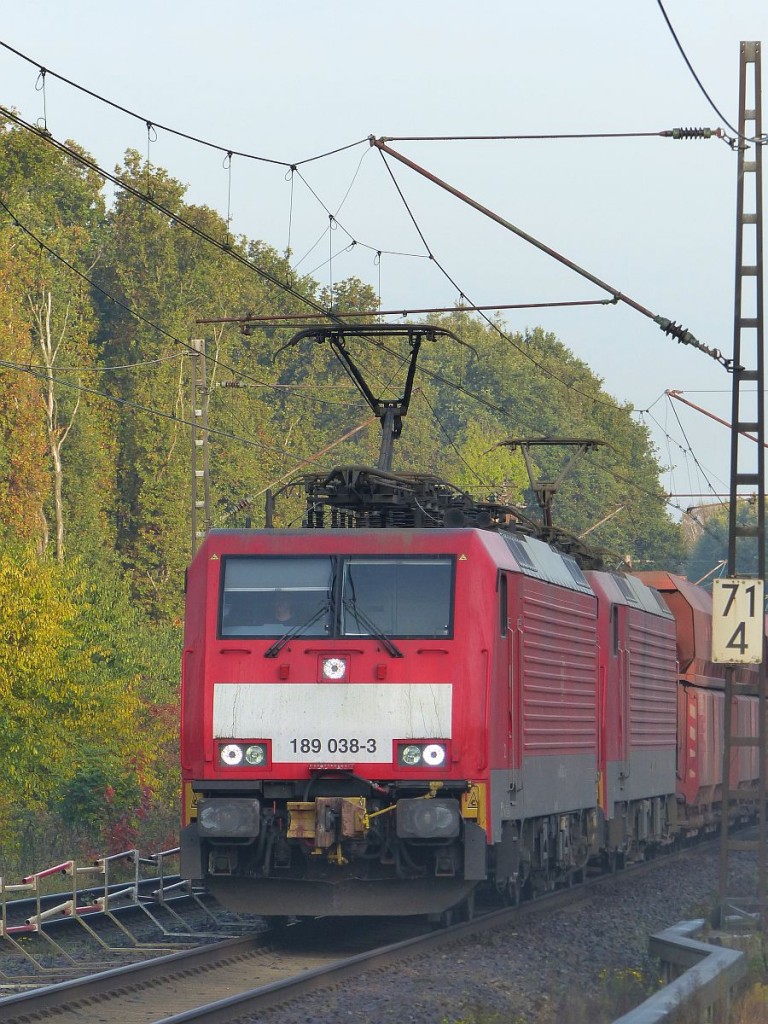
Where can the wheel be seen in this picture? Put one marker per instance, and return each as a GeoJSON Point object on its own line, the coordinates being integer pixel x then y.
{"type": "Point", "coordinates": [512, 892]}
{"type": "Point", "coordinates": [466, 909]}
{"type": "Point", "coordinates": [508, 891]}
{"type": "Point", "coordinates": [442, 920]}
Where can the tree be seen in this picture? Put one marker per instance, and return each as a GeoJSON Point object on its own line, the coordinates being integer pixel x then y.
{"type": "Point", "coordinates": [49, 322]}
{"type": "Point", "coordinates": [708, 557]}
{"type": "Point", "coordinates": [83, 688]}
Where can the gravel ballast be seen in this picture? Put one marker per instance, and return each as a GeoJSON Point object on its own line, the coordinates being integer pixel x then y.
{"type": "Point", "coordinates": [583, 965]}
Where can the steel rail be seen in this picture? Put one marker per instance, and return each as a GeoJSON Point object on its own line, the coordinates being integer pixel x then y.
{"type": "Point", "coordinates": [71, 1000]}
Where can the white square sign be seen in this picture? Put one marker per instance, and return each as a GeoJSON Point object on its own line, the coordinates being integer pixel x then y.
{"type": "Point", "coordinates": [738, 619]}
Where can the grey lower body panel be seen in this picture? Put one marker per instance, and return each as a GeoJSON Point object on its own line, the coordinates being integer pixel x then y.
{"type": "Point", "coordinates": [546, 785]}
{"type": "Point", "coordinates": [647, 773]}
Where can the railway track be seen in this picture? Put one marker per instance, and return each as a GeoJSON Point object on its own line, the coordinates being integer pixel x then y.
{"type": "Point", "coordinates": [239, 978]}
{"type": "Point", "coordinates": [191, 980]}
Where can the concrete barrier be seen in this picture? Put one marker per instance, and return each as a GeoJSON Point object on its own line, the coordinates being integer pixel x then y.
{"type": "Point", "coordinates": [701, 977]}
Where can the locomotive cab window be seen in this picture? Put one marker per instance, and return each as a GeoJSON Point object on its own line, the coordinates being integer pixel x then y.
{"type": "Point", "coordinates": [399, 597]}
{"type": "Point", "coordinates": [271, 595]}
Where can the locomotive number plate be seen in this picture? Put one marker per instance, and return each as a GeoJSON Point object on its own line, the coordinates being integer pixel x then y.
{"type": "Point", "coordinates": [335, 745]}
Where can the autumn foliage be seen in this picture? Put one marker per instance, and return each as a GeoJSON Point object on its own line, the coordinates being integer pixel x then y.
{"type": "Point", "coordinates": [98, 303]}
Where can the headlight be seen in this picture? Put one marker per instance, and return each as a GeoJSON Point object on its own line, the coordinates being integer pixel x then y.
{"type": "Point", "coordinates": [433, 754]}
{"type": "Point", "coordinates": [256, 754]}
{"type": "Point", "coordinates": [231, 754]}
{"type": "Point", "coordinates": [422, 755]}
{"type": "Point", "coordinates": [334, 668]}
{"type": "Point", "coordinates": [246, 755]}
{"type": "Point", "coordinates": [410, 755]}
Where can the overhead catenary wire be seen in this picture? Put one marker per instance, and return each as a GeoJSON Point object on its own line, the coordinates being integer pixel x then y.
{"type": "Point", "coordinates": [436, 376]}
{"type": "Point", "coordinates": [153, 124]}
{"type": "Point", "coordinates": [248, 502]}
{"type": "Point", "coordinates": [668, 326]}
{"type": "Point", "coordinates": [286, 286]}
{"type": "Point", "coordinates": [323, 312]}
{"type": "Point", "coordinates": [686, 451]}
{"type": "Point", "coordinates": [177, 218]}
{"type": "Point", "coordinates": [432, 374]}
{"type": "Point", "coordinates": [690, 447]}
{"type": "Point", "coordinates": [657, 496]}
{"type": "Point", "coordinates": [494, 326]}
{"type": "Point", "coordinates": [565, 384]}
{"type": "Point", "coordinates": [248, 442]}
{"type": "Point", "coordinates": [334, 220]}
{"type": "Point", "coordinates": [493, 407]}
{"type": "Point", "coordinates": [233, 253]}
{"type": "Point", "coordinates": [669, 133]}
{"type": "Point", "coordinates": [451, 441]}
{"type": "Point", "coordinates": [139, 407]}
{"type": "Point", "coordinates": [139, 316]}
{"type": "Point", "coordinates": [759, 141]}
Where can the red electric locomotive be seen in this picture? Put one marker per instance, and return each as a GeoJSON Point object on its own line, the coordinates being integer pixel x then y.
{"type": "Point", "coordinates": [637, 694]}
{"type": "Point", "coordinates": [414, 694]}
{"type": "Point", "coordinates": [376, 719]}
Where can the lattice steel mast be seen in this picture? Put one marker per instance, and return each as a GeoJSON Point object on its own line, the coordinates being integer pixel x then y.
{"type": "Point", "coordinates": [746, 542]}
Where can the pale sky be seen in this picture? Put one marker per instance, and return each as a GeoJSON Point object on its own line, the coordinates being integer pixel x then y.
{"type": "Point", "coordinates": [654, 218]}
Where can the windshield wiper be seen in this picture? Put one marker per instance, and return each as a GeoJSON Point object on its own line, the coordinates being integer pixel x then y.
{"type": "Point", "coordinates": [371, 627]}
{"type": "Point", "coordinates": [274, 649]}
